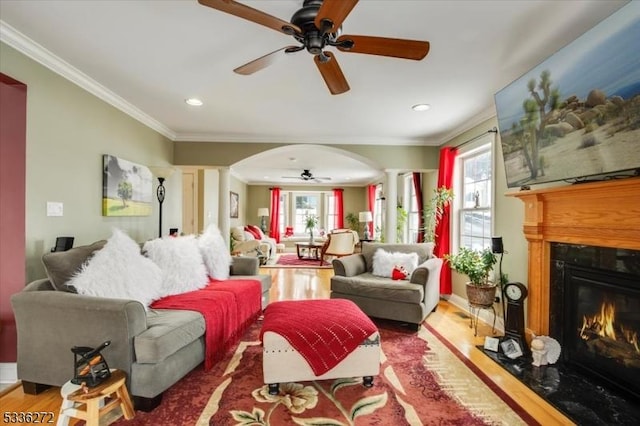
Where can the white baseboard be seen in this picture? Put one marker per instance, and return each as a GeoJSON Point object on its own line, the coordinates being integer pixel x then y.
{"type": "Point", "coordinates": [486, 315]}
{"type": "Point", "coordinates": [8, 372]}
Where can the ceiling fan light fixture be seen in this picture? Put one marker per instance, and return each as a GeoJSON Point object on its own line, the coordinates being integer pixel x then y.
{"type": "Point", "coordinates": [194, 102]}
{"type": "Point", "coordinates": [421, 107]}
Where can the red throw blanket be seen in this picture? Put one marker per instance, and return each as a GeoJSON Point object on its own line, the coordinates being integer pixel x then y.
{"type": "Point", "coordinates": [228, 308]}
{"type": "Point", "coordinates": [324, 331]}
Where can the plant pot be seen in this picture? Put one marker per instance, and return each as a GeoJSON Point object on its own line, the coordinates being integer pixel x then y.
{"type": "Point", "coordinates": [481, 296]}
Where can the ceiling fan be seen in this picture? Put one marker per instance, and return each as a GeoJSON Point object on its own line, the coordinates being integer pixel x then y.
{"type": "Point", "coordinates": [307, 176]}
{"type": "Point", "coordinates": [317, 25]}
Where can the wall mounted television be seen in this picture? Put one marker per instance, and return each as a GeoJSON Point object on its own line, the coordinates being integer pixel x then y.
{"type": "Point", "coordinates": [576, 116]}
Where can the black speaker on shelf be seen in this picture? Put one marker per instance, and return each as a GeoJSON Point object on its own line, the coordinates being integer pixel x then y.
{"type": "Point", "coordinates": [63, 244]}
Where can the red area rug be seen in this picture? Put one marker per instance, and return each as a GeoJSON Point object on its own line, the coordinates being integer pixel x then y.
{"type": "Point", "coordinates": [423, 380]}
{"type": "Point", "coordinates": [291, 261]}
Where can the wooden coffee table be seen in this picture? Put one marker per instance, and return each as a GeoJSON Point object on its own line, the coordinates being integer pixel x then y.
{"type": "Point", "coordinates": [312, 250]}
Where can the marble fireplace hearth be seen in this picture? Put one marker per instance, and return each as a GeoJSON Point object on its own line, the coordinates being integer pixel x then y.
{"type": "Point", "coordinates": [580, 398]}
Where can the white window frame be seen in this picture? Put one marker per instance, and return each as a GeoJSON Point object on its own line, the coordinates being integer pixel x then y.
{"type": "Point", "coordinates": [481, 146]}
{"type": "Point", "coordinates": [410, 231]}
{"type": "Point", "coordinates": [284, 212]}
{"type": "Point", "coordinates": [378, 212]}
{"type": "Point", "coordinates": [298, 229]}
{"type": "Point", "coordinates": [330, 218]}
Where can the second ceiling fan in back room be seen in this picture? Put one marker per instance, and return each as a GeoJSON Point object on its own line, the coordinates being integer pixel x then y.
{"type": "Point", "coordinates": [307, 176]}
{"type": "Point", "coordinates": [319, 25]}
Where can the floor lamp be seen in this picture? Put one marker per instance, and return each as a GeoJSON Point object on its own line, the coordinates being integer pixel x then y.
{"type": "Point", "coordinates": [162, 173]}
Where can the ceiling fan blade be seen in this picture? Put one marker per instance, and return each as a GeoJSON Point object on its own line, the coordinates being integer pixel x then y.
{"type": "Point", "coordinates": [332, 13]}
{"type": "Point", "coordinates": [260, 63]}
{"type": "Point", "coordinates": [250, 14]}
{"type": "Point", "coordinates": [331, 72]}
{"type": "Point", "coordinates": [394, 47]}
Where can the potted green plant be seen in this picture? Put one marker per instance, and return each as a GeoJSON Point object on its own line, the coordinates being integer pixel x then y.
{"type": "Point", "coordinates": [434, 210]}
{"type": "Point", "coordinates": [476, 265]}
{"type": "Point", "coordinates": [352, 221]}
{"type": "Point", "coordinates": [310, 221]}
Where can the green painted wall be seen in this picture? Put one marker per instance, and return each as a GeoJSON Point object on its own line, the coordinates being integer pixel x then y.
{"type": "Point", "coordinates": [68, 131]}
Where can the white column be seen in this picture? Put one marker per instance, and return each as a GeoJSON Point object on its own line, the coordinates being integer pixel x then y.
{"type": "Point", "coordinates": [224, 210]}
{"type": "Point", "coordinates": [391, 193]}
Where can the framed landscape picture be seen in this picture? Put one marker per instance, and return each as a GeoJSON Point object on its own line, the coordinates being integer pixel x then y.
{"type": "Point", "coordinates": [234, 201]}
{"type": "Point", "coordinates": [126, 188]}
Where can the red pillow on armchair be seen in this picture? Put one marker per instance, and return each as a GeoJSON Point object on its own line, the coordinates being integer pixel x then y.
{"type": "Point", "coordinates": [255, 231]}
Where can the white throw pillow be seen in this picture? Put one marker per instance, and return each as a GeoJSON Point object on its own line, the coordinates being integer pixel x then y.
{"type": "Point", "coordinates": [215, 253]}
{"type": "Point", "coordinates": [180, 261]}
{"type": "Point", "coordinates": [120, 271]}
{"type": "Point", "coordinates": [384, 262]}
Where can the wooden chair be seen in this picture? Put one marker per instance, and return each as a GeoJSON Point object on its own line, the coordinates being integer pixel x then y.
{"type": "Point", "coordinates": [341, 242]}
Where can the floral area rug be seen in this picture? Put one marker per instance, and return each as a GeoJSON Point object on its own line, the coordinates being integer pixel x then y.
{"type": "Point", "coordinates": [422, 381]}
{"type": "Point", "coordinates": [292, 261]}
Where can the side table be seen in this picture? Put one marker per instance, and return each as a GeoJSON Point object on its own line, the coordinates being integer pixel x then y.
{"type": "Point", "coordinates": [474, 310]}
{"type": "Point", "coordinates": [90, 404]}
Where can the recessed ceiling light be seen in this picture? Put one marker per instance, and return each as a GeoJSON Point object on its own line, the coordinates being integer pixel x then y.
{"type": "Point", "coordinates": [421, 107]}
{"type": "Point", "coordinates": [193, 102]}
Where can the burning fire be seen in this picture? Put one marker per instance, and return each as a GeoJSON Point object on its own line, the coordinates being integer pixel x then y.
{"type": "Point", "coordinates": [603, 324]}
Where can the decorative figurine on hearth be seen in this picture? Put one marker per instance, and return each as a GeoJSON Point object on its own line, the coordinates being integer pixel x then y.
{"type": "Point", "coordinates": [544, 350]}
{"type": "Point", "coordinates": [538, 352]}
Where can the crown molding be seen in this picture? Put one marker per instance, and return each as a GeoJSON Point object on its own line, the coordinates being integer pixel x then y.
{"type": "Point", "coordinates": [38, 53]}
{"type": "Point", "coordinates": [351, 140]}
{"type": "Point", "coordinates": [474, 121]}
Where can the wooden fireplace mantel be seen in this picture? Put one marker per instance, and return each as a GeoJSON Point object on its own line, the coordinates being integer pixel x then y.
{"type": "Point", "coordinates": [605, 214]}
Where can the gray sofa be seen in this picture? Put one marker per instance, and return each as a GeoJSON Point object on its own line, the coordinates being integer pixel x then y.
{"type": "Point", "coordinates": [155, 348]}
{"type": "Point", "coordinates": [408, 301]}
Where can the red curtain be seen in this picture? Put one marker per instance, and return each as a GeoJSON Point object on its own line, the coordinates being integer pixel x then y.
{"type": "Point", "coordinates": [443, 237]}
{"type": "Point", "coordinates": [371, 202]}
{"type": "Point", "coordinates": [274, 225]}
{"type": "Point", "coordinates": [339, 207]}
{"type": "Point", "coordinates": [417, 187]}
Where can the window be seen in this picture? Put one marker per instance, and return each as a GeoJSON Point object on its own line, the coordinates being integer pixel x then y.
{"type": "Point", "coordinates": [304, 204]}
{"type": "Point", "coordinates": [282, 219]}
{"type": "Point", "coordinates": [378, 213]}
{"type": "Point", "coordinates": [411, 207]}
{"type": "Point", "coordinates": [475, 183]}
{"type": "Point", "coordinates": [331, 218]}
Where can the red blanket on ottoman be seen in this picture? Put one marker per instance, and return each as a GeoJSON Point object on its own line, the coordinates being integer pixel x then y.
{"type": "Point", "coordinates": [323, 331]}
{"type": "Point", "coordinates": [228, 308]}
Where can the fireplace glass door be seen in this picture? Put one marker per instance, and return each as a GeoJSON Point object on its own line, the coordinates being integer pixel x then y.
{"type": "Point", "coordinates": [603, 326]}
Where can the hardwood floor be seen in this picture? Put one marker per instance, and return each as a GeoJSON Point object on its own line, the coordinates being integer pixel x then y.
{"type": "Point", "coordinates": [293, 284]}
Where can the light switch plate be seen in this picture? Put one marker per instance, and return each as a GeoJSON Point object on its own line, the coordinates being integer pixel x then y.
{"type": "Point", "coordinates": [54, 208]}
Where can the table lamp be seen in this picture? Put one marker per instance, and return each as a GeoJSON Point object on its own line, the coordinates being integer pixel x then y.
{"type": "Point", "coordinates": [366, 217]}
{"type": "Point", "coordinates": [263, 212]}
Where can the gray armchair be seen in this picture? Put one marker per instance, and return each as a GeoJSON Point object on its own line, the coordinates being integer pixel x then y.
{"type": "Point", "coordinates": [407, 301]}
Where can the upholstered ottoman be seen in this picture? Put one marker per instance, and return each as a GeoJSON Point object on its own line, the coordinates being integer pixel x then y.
{"type": "Point", "coordinates": [317, 340]}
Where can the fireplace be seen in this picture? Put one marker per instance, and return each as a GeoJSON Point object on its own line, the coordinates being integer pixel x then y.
{"type": "Point", "coordinates": [596, 227]}
{"type": "Point", "coordinates": [595, 312]}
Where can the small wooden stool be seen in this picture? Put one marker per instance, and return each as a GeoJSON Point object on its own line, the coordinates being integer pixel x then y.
{"type": "Point", "coordinates": [89, 403]}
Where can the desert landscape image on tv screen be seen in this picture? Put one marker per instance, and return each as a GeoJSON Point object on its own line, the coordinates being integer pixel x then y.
{"type": "Point", "coordinates": [577, 114]}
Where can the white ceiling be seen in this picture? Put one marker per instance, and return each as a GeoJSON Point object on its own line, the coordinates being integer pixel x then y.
{"type": "Point", "coordinates": [147, 57]}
